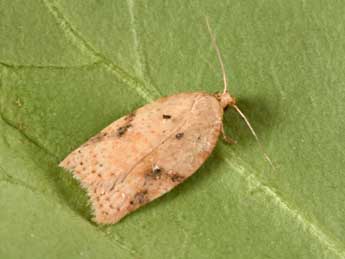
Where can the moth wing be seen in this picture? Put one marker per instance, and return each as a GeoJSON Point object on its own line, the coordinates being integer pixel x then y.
{"type": "Point", "coordinates": [141, 156]}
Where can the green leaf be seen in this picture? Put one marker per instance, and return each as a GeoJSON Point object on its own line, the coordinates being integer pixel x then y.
{"type": "Point", "coordinates": [69, 68]}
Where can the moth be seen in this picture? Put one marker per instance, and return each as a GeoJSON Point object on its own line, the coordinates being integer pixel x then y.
{"type": "Point", "coordinates": [148, 152]}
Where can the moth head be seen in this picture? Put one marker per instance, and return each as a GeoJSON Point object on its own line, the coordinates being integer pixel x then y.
{"type": "Point", "coordinates": [225, 99]}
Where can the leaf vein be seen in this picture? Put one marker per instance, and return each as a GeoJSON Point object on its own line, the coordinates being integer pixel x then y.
{"type": "Point", "coordinates": [146, 92]}
{"type": "Point", "coordinates": [11, 180]}
{"type": "Point", "coordinates": [142, 66]}
{"type": "Point", "coordinates": [50, 67]}
{"type": "Point", "coordinates": [311, 227]}
{"type": "Point", "coordinates": [26, 136]}
{"type": "Point", "coordinates": [136, 42]}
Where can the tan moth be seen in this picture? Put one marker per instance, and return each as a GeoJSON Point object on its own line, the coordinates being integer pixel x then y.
{"type": "Point", "coordinates": [145, 154]}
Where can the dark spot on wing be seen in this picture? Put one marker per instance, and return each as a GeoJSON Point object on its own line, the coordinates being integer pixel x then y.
{"type": "Point", "coordinates": [166, 116]}
{"type": "Point", "coordinates": [179, 135]}
{"type": "Point", "coordinates": [155, 173]}
{"type": "Point", "coordinates": [130, 117]}
{"type": "Point", "coordinates": [175, 177]}
{"type": "Point", "coordinates": [99, 137]}
{"type": "Point", "coordinates": [122, 130]}
{"type": "Point", "coordinates": [140, 198]}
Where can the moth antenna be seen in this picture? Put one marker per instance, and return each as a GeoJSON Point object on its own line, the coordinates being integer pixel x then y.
{"type": "Point", "coordinates": [219, 56]}
{"type": "Point", "coordinates": [225, 80]}
{"type": "Point", "coordinates": [254, 134]}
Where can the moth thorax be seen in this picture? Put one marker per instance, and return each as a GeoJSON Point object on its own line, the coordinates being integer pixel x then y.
{"type": "Point", "coordinates": [225, 99]}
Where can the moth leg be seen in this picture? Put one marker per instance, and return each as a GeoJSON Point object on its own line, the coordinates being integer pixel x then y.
{"type": "Point", "coordinates": [226, 138]}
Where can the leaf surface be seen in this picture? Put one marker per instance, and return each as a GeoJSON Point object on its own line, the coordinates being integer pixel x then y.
{"type": "Point", "coordinates": [69, 68]}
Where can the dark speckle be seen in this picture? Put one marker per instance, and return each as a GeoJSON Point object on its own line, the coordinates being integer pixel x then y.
{"type": "Point", "coordinates": [176, 177]}
{"type": "Point", "coordinates": [130, 116]}
{"type": "Point", "coordinates": [179, 135]}
{"type": "Point", "coordinates": [139, 198]}
{"type": "Point", "coordinates": [122, 130]}
{"type": "Point", "coordinates": [166, 116]}
{"type": "Point", "coordinates": [155, 173]}
{"type": "Point", "coordinates": [156, 170]}
{"type": "Point", "coordinates": [98, 137]}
